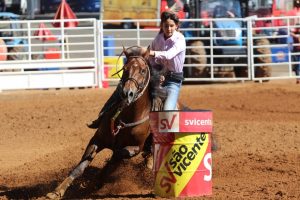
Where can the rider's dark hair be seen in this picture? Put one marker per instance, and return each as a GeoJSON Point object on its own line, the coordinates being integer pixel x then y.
{"type": "Point", "coordinates": [168, 15]}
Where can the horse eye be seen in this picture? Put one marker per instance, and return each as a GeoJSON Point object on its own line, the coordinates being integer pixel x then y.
{"type": "Point", "coordinates": [143, 71]}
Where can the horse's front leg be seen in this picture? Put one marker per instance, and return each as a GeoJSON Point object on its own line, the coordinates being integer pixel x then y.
{"type": "Point", "coordinates": [92, 149]}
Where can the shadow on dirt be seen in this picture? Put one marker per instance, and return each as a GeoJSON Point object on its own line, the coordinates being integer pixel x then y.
{"type": "Point", "coordinates": [85, 186]}
{"type": "Point", "coordinates": [29, 192]}
{"type": "Point", "coordinates": [129, 196]}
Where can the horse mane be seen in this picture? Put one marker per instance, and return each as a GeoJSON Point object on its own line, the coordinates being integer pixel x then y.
{"type": "Point", "coordinates": [135, 51]}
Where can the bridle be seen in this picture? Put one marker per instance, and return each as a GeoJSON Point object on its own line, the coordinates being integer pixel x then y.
{"type": "Point", "coordinates": [141, 88]}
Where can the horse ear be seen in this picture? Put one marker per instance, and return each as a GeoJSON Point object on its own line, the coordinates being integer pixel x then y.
{"type": "Point", "coordinates": [146, 54]}
{"type": "Point", "coordinates": [125, 52]}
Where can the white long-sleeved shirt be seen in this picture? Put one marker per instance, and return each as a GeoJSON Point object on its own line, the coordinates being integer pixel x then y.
{"type": "Point", "coordinates": [169, 53]}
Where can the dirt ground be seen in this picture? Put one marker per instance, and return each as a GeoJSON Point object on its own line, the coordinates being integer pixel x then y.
{"type": "Point", "coordinates": [43, 135]}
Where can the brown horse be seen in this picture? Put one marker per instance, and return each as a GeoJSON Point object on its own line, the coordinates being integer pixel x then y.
{"type": "Point", "coordinates": [124, 128]}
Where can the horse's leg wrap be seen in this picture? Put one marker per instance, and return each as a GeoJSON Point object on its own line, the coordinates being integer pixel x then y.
{"type": "Point", "coordinates": [78, 171]}
{"type": "Point", "coordinates": [86, 159]}
{"type": "Point", "coordinates": [61, 189]}
{"type": "Point", "coordinates": [132, 150]}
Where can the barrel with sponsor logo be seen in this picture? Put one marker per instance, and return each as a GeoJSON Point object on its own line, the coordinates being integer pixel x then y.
{"type": "Point", "coordinates": [182, 153]}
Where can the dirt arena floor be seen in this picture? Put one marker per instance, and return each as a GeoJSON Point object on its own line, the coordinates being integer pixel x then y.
{"type": "Point", "coordinates": [43, 135]}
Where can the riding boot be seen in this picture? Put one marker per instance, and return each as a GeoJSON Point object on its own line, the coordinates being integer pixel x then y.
{"type": "Point", "coordinates": [95, 124]}
{"type": "Point", "coordinates": [113, 100]}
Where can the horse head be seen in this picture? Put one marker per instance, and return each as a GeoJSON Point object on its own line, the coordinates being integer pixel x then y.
{"type": "Point", "coordinates": [136, 73]}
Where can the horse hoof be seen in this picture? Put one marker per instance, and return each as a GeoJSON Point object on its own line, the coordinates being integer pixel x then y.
{"type": "Point", "coordinates": [53, 195]}
{"type": "Point", "coordinates": [61, 189]}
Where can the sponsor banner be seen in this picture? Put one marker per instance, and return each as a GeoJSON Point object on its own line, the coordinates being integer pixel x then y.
{"type": "Point", "coordinates": [180, 121]}
{"type": "Point", "coordinates": [182, 159]}
{"type": "Point", "coordinates": [195, 122]}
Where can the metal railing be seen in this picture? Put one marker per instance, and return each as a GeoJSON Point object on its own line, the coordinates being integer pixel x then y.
{"type": "Point", "coordinates": [41, 55]}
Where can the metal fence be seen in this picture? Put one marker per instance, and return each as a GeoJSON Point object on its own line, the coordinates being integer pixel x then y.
{"type": "Point", "coordinates": [274, 44]}
{"type": "Point", "coordinates": [40, 55]}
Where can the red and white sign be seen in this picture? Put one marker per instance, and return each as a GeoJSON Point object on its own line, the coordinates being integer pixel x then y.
{"type": "Point", "coordinates": [182, 153]}
{"type": "Point", "coordinates": [184, 121]}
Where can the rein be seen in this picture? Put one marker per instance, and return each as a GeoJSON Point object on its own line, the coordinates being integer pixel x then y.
{"type": "Point", "coordinates": [141, 89]}
{"type": "Point", "coordinates": [122, 125]}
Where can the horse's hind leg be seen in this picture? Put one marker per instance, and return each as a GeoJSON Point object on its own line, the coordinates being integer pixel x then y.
{"type": "Point", "coordinates": [126, 152]}
{"type": "Point", "coordinates": [92, 149]}
{"type": "Point", "coordinates": [147, 154]}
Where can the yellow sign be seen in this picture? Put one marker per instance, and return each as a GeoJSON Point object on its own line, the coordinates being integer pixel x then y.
{"type": "Point", "coordinates": [180, 163]}
{"type": "Point", "coordinates": [113, 64]}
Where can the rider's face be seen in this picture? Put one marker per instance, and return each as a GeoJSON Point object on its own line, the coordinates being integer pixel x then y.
{"type": "Point", "coordinates": [169, 27]}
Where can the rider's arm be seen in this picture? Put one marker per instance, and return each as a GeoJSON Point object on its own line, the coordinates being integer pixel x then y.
{"type": "Point", "coordinates": [178, 46]}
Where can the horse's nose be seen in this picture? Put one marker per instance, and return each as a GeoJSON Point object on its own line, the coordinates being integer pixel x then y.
{"type": "Point", "coordinates": [129, 94]}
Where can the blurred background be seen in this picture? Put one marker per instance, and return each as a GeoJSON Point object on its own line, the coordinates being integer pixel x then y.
{"type": "Point", "coordinates": [32, 9]}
